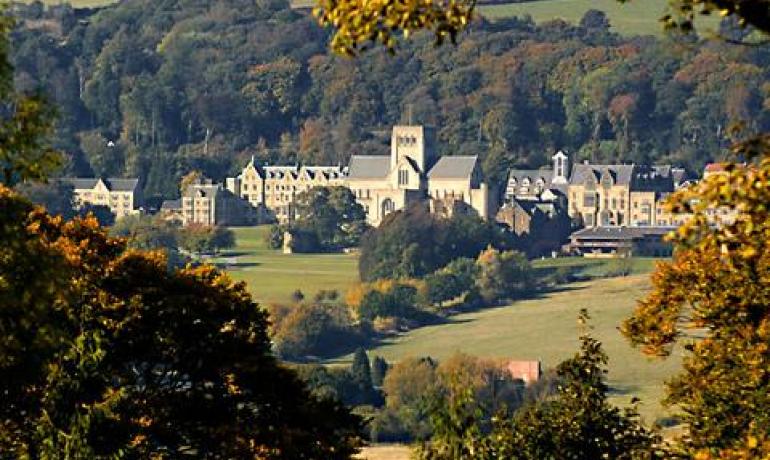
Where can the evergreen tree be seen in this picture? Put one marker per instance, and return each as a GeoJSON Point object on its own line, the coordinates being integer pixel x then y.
{"type": "Point", "coordinates": [361, 376]}
{"type": "Point", "coordinates": [379, 370]}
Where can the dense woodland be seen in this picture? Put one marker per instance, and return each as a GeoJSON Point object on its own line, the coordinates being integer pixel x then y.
{"type": "Point", "coordinates": [154, 89]}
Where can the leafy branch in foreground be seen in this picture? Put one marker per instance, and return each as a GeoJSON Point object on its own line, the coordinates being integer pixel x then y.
{"type": "Point", "coordinates": [361, 24]}
{"type": "Point", "coordinates": [717, 290]}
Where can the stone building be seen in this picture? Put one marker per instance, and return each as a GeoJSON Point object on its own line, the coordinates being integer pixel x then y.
{"type": "Point", "coordinates": [271, 190]}
{"type": "Point", "coordinates": [206, 203]}
{"type": "Point", "coordinates": [622, 195]}
{"type": "Point", "coordinates": [122, 196]}
{"type": "Point", "coordinates": [414, 173]}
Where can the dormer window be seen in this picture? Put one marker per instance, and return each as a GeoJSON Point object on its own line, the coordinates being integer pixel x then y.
{"type": "Point", "coordinates": [607, 181]}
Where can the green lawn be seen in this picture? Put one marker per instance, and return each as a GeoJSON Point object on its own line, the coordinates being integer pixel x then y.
{"type": "Point", "coordinates": [638, 17]}
{"type": "Point", "coordinates": [545, 329]}
{"type": "Point", "coordinates": [272, 276]}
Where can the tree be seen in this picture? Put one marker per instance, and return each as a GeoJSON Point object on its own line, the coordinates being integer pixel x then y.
{"type": "Point", "coordinates": [56, 197]}
{"type": "Point", "coordinates": [25, 124]}
{"type": "Point", "coordinates": [577, 422]}
{"type": "Point", "coordinates": [503, 275]}
{"type": "Point", "coordinates": [413, 243]}
{"type": "Point", "coordinates": [331, 215]}
{"type": "Point", "coordinates": [361, 377]}
{"type": "Point", "coordinates": [106, 352]}
{"type": "Point", "coordinates": [101, 212]}
{"type": "Point", "coordinates": [202, 239]}
{"type": "Point", "coordinates": [716, 286]}
{"type": "Point", "coordinates": [379, 370]}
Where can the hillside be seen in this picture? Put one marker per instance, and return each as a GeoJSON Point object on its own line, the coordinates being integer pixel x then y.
{"type": "Point", "coordinates": [545, 329]}
{"type": "Point", "coordinates": [180, 85]}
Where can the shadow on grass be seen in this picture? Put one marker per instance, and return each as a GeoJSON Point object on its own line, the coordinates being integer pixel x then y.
{"type": "Point", "coordinates": [236, 266]}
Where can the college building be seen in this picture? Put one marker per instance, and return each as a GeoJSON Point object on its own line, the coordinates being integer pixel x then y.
{"type": "Point", "coordinates": [272, 190]}
{"type": "Point", "coordinates": [122, 196]}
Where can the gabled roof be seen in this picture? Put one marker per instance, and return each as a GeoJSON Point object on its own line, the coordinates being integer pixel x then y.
{"type": "Point", "coordinates": [369, 167]}
{"type": "Point", "coordinates": [122, 185]}
{"type": "Point", "coordinates": [533, 174]}
{"type": "Point", "coordinates": [80, 183]}
{"type": "Point", "coordinates": [113, 184]}
{"type": "Point", "coordinates": [453, 167]}
{"type": "Point", "coordinates": [203, 190]}
{"type": "Point", "coordinates": [622, 174]}
{"type": "Point", "coordinates": [171, 205]}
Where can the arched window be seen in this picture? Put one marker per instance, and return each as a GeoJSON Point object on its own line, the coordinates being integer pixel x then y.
{"type": "Point", "coordinates": [388, 206]}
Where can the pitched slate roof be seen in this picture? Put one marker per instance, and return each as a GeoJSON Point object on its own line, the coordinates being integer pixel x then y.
{"type": "Point", "coordinates": [621, 174]}
{"type": "Point", "coordinates": [453, 167]}
{"type": "Point", "coordinates": [80, 182]}
{"type": "Point", "coordinates": [369, 167]}
{"type": "Point", "coordinates": [203, 190]}
{"type": "Point", "coordinates": [122, 185]}
{"type": "Point", "coordinates": [113, 184]}
{"type": "Point", "coordinates": [620, 233]}
{"type": "Point", "coordinates": [532, 174]}
{"type": "Point", "coordinates": [171, 205]}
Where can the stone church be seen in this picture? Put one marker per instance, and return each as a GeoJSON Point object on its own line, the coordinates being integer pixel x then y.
{"type": "Point", "coordinates": [414, 172]}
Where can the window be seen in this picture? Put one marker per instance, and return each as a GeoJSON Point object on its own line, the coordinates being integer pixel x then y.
{"type": "Point", "coordinates": [614, 203]}
{"type": "Point", "coordinates": [403, 177]}
{"type": "Point", "coordinates": [589, 219]}
{"type": "Point", "coordinates": [589, 200]}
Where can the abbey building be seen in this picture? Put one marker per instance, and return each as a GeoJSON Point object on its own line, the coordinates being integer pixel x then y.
{"type": "Point", "coordinates": [414, 172]}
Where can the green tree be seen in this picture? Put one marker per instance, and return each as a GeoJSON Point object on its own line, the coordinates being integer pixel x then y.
{"type": "Point", "coordinates": [56, 197]}
{"type": "Point", "coordinates": [25, 124]}
{"type": "Point", "coordinates": [503, 275]}
{"type": "Point", "coordinates": [379, 370]}
{"type": "Point", "coordinates": [331, 215]}
{"type": "Point", "coordinates": [577, 422]}
{"type": "Point", "coordinates": [361, 377]}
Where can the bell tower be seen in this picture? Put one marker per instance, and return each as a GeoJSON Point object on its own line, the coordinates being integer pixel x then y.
{"type": "Point", "coordinates": [560, 168]}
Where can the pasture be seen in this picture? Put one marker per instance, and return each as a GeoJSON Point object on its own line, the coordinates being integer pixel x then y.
{"type": "Point", "coordinates": [546, 329]}
{"type": "Point", "coordinates": [272, 276]}
{"type": "Point", "coordinates": [638, 17]}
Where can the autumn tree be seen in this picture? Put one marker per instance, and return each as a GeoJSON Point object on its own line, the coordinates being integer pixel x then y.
{"type": "Point", "coordinates": [105, 352]}
{"type": "Point", "coordinates": [713, 297]}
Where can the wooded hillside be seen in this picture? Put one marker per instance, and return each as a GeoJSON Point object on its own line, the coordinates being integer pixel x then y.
{"type": "Point", "coordinates": [155, 88]}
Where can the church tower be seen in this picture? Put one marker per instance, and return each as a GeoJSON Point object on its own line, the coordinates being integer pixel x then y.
{"type": "Point", "coordinates": [560, 168]}
{"type": "Point", "coordinates": [415, 142]}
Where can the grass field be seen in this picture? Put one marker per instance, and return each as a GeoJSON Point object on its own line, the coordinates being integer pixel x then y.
{"type": "Point", "coordinates": [272, 276]}
{"type": "Point", "coordinates": [545, 329]}
{"type": "Point", "coordinates": [638, 17]}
